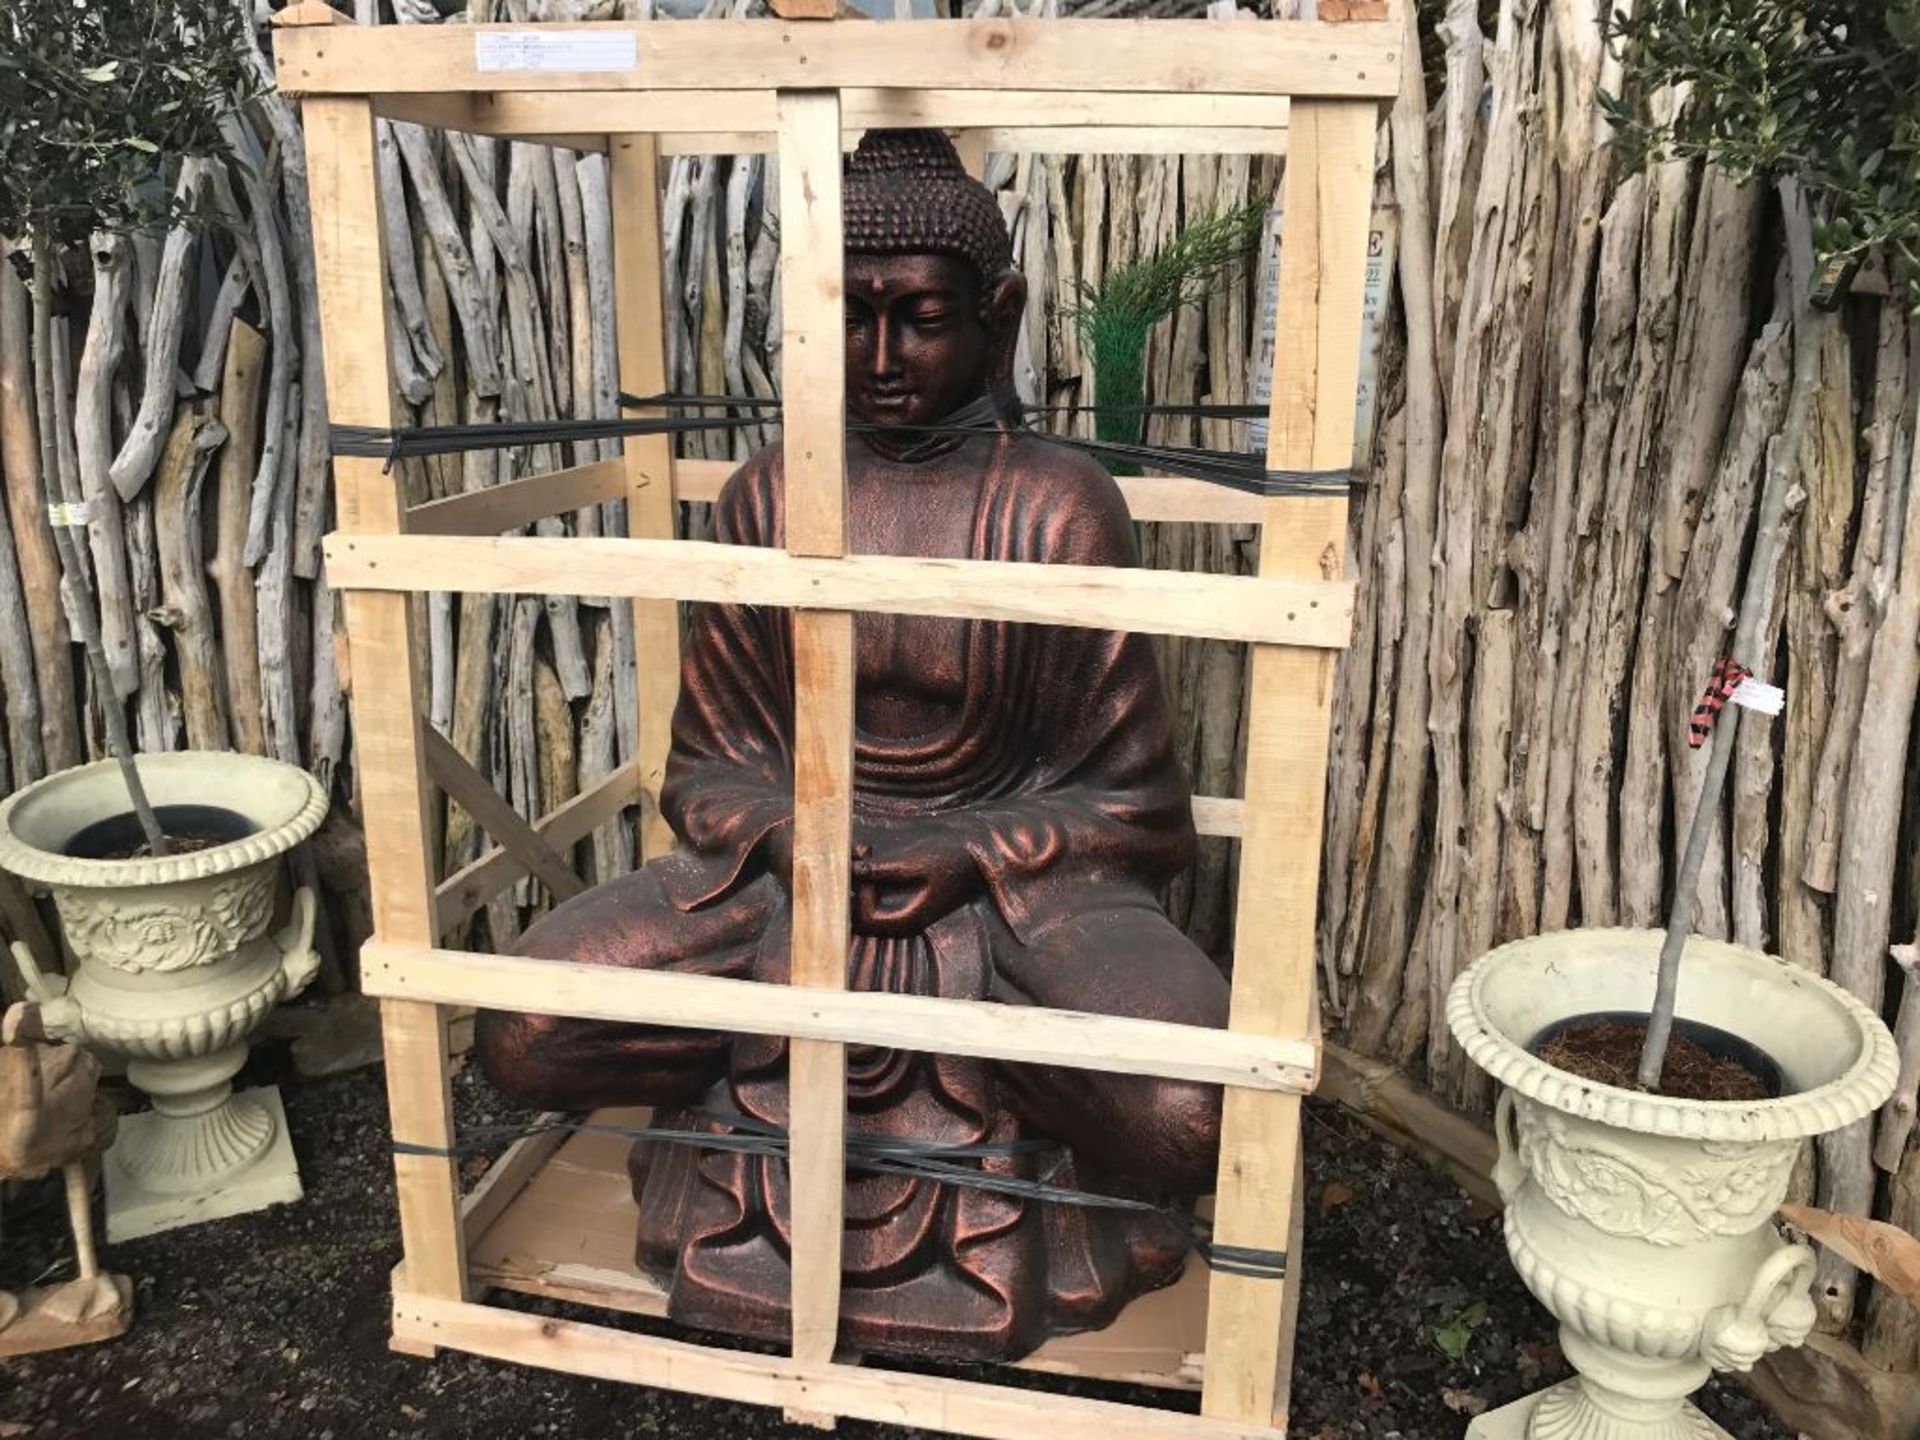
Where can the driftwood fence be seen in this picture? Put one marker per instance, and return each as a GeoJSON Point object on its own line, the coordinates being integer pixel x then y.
{"type": "Point", "coordinates": [1583, 381]}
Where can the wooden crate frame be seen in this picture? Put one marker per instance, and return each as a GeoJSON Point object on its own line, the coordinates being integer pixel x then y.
{"type": "Point", "coordinates": [803, 88]}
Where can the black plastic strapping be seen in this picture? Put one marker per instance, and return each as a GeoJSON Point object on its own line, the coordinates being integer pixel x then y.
{"type": "Point", "coordinates": [1246, 473]}
{"type": "Point", "coordinates": [372, 442]}
{"type": "Point", "coordinates": [895, 1155]}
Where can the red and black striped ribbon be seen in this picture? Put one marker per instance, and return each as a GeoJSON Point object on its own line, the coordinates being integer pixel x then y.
{"type": "Point", "coordinates": [1727, 674]}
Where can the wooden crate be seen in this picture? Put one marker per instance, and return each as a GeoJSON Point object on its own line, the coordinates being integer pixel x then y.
{"type": "Point", "coordinates": [802, 90]}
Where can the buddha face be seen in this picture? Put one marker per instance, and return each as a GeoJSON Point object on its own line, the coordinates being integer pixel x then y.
{"type": "Point", "coordinates": [921, 338]}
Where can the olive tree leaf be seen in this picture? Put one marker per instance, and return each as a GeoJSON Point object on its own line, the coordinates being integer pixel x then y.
{"type": "Point", "coordinates": [102, 97]}
{"type": "Point", "coordinates": [1826, 92]}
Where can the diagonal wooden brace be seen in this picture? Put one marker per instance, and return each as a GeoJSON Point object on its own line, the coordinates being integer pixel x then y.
{"type": "Point", "coordinates": [451, 772]}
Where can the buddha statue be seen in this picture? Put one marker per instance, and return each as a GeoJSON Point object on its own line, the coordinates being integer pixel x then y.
{"type": "Point", "coordinates": [1018, 806]}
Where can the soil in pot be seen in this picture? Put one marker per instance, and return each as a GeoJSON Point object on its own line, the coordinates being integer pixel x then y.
{"type": "Point", "coordinates": [187, 828]}
{"type": "Point", "coordinates": [1703, 1062]}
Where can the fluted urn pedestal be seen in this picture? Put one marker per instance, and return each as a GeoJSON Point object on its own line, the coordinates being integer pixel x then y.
{"type": "Point", "coordinates": [1644, 1223]}
{"type": "Point", "coordinates": [179, 963]}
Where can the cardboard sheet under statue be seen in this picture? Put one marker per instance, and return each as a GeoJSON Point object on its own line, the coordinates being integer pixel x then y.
{"type": "Point", "coordinates": [1018, 806]}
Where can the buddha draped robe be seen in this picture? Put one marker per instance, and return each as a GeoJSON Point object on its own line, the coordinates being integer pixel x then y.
{"type": "Point", "coordinates": [1048, 759]}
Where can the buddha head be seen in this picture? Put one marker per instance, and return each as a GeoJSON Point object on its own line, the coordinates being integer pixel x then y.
{"type": "Point", "coordinates": [933, 301]}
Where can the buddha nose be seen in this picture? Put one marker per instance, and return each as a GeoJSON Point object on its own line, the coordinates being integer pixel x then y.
{"type": "Point", "coordinates": [886, 350]}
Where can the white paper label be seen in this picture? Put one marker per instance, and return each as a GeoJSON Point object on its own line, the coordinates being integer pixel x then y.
{"type": "Point", "coordinates": [584, 52]}
{"type": "Point", "coordinates": [1752, 694]}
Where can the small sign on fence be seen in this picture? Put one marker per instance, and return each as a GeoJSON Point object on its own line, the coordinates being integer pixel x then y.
{"type": "Point", "coordinates": [1382, 237]}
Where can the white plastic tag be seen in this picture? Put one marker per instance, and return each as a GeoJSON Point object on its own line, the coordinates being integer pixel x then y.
{"type": "Point", "coordinates": [65, 516]}
{"type": "Point", "coordinates": [583, 52]}
{"type": "Point", "coordinates": [1752, 694]}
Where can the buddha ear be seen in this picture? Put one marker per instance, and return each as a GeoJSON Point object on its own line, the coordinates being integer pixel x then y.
{"type": "Point", "coordinates": [1001, 306]}
{"type": "Point", "coordinates": [1004, 302]}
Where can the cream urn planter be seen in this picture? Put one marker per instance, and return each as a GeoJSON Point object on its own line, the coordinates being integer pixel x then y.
{"type": "Point", "coordinates": [178, 964]}
{"type": "Point", "coordinates": [1645, 1224]}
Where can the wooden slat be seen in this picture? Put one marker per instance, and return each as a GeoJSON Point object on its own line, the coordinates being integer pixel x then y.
{"type": "Point", "coordinates": [933, 1403]}
{"type": "Point", "coordinates": [1314, 613]}
{"type": "Point", "coordinates": [471, 113]}
{"type": "Point", "coordinates": [715, 121]}
{"type": "Point", "coordinates": [519, 502]}
{"type": "Point", "coordinates": [491, 812]}
{"type": "Point", "coordinates": [307, 12]}
{"type": "Point", "coordinates": [1149, 497]}
{"type": "Point", "coordinates": [1388, 1103]}
{"type": "Point", "coordinates": [1183, 499]}
{"type": "Point", "coordinates": [1123, 140]}
{"type": "Point", "coordinates": [700, 481]}
{"type": "Point", "coordinates": [1024, 140]}
{"type": "Point", "coordinates": [1298, 59]}
{"type": "Point", "coordinates": [983, 1028]}
{"type": "Point", "coordinates": [508, 1176]}
{"type": "Point", "coordinates": [633, 177]}
{"type": "Point", "coordinates": [1219, 815]}
{"type": "Point", "coordinates": [1290, 1306]}
{"type": "Point", "coordinates": [813, 364]}
{"type": "Point", "coordinates": [470, 887]}
{"type": "Point", "coordinates": [1315, 366]}
{"type": "Point", "coordinates": [347, 239]}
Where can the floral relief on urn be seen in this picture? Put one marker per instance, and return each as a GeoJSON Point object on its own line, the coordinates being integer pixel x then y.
{"type": "Point", "coordinates": [1725, 1189]}
{"type": "Point", "coordinates": [159, 933]}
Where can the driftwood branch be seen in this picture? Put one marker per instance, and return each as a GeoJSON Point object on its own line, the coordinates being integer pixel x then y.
{"type": "Point", "coordinates": [148, 436]}
{"type": "Point", "coordinates": [114, 716]}
{"type": "Point", "coordinates": [176, 505]}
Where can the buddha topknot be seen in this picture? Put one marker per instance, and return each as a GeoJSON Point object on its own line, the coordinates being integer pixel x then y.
{"type": "Point", "coordinates": [908, 194]}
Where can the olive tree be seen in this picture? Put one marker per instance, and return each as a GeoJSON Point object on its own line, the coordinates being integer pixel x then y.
{"type": "Point", "coordinates": [1821, 99]}
{"type": "Point", "coordinates": [97, 97]}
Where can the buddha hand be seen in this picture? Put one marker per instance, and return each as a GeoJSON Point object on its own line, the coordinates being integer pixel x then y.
{"type": "Point", "coordinates": [909, 872]}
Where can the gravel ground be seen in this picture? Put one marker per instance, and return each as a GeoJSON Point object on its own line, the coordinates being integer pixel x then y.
{"type": "Point", "coordinates": [275, 1324]}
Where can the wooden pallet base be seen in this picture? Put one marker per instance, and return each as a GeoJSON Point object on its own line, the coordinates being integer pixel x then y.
{"type": "Point", "coordinates": [557, 1221]}
{"type": "Point", "coordinates": [423, 1324]}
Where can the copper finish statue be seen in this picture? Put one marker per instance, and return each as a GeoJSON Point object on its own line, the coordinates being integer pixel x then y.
{"type": "Point", "coordinates": [1018, 806]}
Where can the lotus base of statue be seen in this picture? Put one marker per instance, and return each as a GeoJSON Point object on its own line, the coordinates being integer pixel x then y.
{"type": "Point", "coordinates": [1642, 1221]}
{"type": "Point", "coordinates": [178, 963]}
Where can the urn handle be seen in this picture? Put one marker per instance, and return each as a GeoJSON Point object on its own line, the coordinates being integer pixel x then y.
{"type": "Point", "coordinates": [299, 961]}
{"type": "Point", "coordinates": [1508, 1172]}
{"type": "Point", "coordinates": [1776, 1314]}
